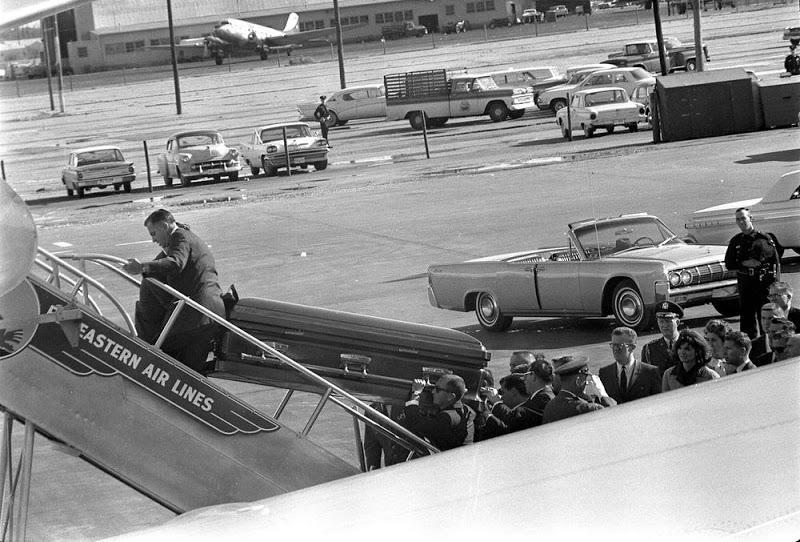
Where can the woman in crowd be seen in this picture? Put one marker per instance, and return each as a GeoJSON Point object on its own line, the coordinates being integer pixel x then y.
{"type": "Point", "coordinates": [715, 337]}
{"type": "Point", "coordinates": [692, 352]}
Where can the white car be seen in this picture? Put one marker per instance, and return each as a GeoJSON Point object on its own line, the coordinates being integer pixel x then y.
{"type": "Point", "coordinates": [604, 108]}
{"type": "Point", "coordinates": [362, 102]}
{"type": "Point", "coordinates": [778, 212]}
{"type": "Point", "coordinates": [556, 97]}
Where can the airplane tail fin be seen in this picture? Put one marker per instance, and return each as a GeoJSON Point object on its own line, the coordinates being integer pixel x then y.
{"type": "Point", "coordinates": [291, 24]}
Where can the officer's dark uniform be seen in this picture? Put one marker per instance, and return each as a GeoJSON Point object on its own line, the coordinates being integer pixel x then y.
{"type": "Point", "coordinates": [753, 283]}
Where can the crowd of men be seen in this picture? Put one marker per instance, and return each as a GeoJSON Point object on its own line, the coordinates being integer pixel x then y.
{"type": "Point", "coordinates": [538, 391]}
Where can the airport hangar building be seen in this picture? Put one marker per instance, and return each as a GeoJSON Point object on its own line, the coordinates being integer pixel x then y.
{"type": "Point", "coordinates": [112, 34]}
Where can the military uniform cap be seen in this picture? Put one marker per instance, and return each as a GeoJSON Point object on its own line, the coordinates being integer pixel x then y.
{"type": "Point", "coordinates": [574, 363]}
{"type": "Point", "coordinates": [668, 309]}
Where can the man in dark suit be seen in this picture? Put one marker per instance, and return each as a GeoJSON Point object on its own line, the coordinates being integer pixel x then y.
{"type": "Point", "coordinates": [186, 264]}
{"type": "Point", "coordinates": [760, 345]}
{"type": "Point", "coordinates": [628, 379]}
{"type": "Point", "coordinates": [659, 351]}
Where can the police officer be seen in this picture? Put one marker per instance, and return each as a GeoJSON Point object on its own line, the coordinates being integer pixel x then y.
{"type": "Point", "coordinates": [576, 384]}
{"type": "Point", "coordinates": [658, 352]}
{"type": "Point", "coordinates": [754, 257]}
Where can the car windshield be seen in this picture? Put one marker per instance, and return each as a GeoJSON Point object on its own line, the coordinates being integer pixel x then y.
{"type": "Point", "coordinates": [605, 97]}
{"type": "Point", "coordinates": [617, 236]}
{"type": "Point", "coordinates": [192, 140]}
{"type": "Point", "coordinates": [102, 155]}
{"type": "Point", "coordinates": [273, 134]}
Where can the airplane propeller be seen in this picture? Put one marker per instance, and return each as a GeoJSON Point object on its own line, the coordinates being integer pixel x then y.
{"type": "Point", "coordinates": [18, 240]}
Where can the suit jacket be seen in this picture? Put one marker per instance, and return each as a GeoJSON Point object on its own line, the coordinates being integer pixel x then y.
{"type": "Point", "coordinates": [645, 380]}
{"type": "Point", "coordinates": [759, 347]}
{"type": "Point", "coordinates": [656, 353]}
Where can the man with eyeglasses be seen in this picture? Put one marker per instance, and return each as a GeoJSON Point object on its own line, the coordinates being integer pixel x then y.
{"type": "Point", "coordinates": [658, 352]}
{"type": "Point", "coordinates": [577, 382]}
{"type": "Point", "coordinates": [780, 331]}
{"type": "Point", "coordinates": [754, 257]}
{"type": "Point", "coordinates": [628, 379]}
{"type": "Point", "coordinates": [781, 293]}
{"type": "Point", "coordinates": [451, 424]}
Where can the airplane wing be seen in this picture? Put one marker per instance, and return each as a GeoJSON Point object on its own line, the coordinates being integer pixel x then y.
{"type": "Point", "coordinates": [719, 460]}
{"type": "Point", "coordinates": [36, 11]}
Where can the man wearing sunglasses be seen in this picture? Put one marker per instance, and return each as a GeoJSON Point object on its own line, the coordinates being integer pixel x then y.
{"type": "Point", "coordinates": [451, 424]}
{"type": "Point", "coordinates": [627, 378]}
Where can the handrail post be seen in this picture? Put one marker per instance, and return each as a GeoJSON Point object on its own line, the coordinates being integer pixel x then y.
{"type": "Point", "coordinates": [317, 411]}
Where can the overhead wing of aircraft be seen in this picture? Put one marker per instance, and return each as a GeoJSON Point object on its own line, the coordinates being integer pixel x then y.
{"type": "Point", "coordinates": [718, 460]}
{"type": "Point", "coordinates": [36, 11]}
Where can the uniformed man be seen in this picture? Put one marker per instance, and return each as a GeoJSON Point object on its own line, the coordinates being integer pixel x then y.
{"type": "Point", "coordinates": [659, 351]}
{"type": "Point", "coordinates": [577, 382]}
{"type": "Point", "coordinates": [754, 257]}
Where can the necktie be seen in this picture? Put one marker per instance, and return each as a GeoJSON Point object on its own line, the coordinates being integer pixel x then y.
{"type": "Point", "coordinates": [623, 383]}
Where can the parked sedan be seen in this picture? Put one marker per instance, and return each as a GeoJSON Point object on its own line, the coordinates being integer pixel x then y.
{"type": "Point", "coordinates": [604, 108]}
{"type": "Point", "coordinates": [96, 167]}
{"type": "Point", "coordinates": [363, 102]}
{"type": "Point", "coordinates": [266, 148]}
{"type": "Point", "coordinates": [197, 154]}
{"type": "Point", "coordinates": [778, 212]}
{"type": "Point", "coordinates": [622, 265]}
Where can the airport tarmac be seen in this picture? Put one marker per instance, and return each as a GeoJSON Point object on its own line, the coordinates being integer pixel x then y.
{"type": "Point", "coordinates": [358, 236]}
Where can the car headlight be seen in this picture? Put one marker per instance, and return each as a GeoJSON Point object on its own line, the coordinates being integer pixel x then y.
{"type": "Point", "coordinates": [272, 148]}
{"type": "Point", "coordinates": [674, 279]}
{"type": "Point", "coordinates": [686, 277]}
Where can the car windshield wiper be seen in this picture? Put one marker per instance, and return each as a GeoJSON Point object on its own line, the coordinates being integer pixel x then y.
{"type": "Point", "coordinates": [667, 240]}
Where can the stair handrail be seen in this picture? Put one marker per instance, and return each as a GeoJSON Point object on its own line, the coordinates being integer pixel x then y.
{"type": "Point", "coordinates": [374, 418]}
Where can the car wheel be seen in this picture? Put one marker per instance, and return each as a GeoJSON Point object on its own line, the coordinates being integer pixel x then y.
{"type": "Point", "coordinates": [185, 181]}
{"type": "Point", "coordinates": [629, 308]}
{"type": "Point", "coordinates": [416, 120]}
{"type": "Point", "coordinates": [557, 104]}
{"type": "Point", "coordinates": [127, 187]}
{"type": "Point", "coordinates": [80, 191]}
{"type": "Point", "coordinates": [610, 129]}
{"type": "Point", "coordinates": [498, 112]}
{"type": "Point", "coordinates": [633, 126]}
{"type": "Point", "coordinates": [726, 307]}
{"type": "Point", "coordinates": [589, 130]}
{"type": "Point", "coordinates": [321, 165]}
{"type": "Point", "coordinates": [691, 65]}
{"type": "Point", "coordinates": [233, 176]}
{"type": "Point", "coordinates": [334, 119]}
{"type": "Point", "coordinates": [255, 170]}
{"type": "Point", "coordinates": [516, 114]}
{"type": "Point", "coordinates": [489, 315]}
{"type": "Point", "coordinates": [269, 171]}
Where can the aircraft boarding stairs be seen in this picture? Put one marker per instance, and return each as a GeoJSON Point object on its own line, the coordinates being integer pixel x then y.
{"type": "Point", "coordinates": [90, 384]}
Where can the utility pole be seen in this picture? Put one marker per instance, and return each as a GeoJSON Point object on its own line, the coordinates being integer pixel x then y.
{"type": "Point", "coordinates": [174, 58]}
{"type": "Point", "coordinates": [339, 43]}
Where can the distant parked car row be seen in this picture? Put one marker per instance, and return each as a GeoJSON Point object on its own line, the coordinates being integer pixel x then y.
{"type": "Point", "coordinates": [197, 154]}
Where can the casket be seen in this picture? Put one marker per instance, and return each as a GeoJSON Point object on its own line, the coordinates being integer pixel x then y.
{"type": "Point", "coordinates": [373, 358]}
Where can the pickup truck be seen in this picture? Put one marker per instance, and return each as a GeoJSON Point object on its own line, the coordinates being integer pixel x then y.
{"type": "Point", "coordinates": [403, 30]}
{"type": "Point", "coordinates": [413, 96]}
{"type": "Point", "coordinates": [644, 54]}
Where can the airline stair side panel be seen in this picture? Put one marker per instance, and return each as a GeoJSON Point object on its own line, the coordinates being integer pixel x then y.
{"type": "Point", "coordinates": [142, 416]}
{"type": "Point", "coordinates": [373, 358]}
